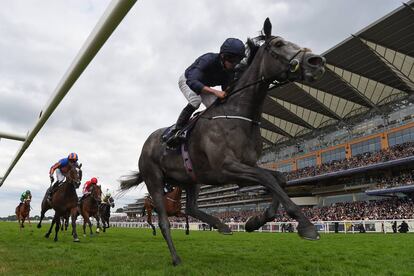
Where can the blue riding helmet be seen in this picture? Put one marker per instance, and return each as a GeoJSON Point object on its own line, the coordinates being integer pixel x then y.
{"type": "Point", "coordinates": [233, 46]}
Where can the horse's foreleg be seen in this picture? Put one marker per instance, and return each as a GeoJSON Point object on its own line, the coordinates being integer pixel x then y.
{"type": "Point", "coordinates": [255, 222]}
{"type": "Point", "coordinates": [155, 186]}
{"type": "Point", "coordinates": [240, 173]}
{"type": "Point", "coordinates": [86, 220]}
{"type": "Point", "coordinates": [192, 210]}
{"type": "Point", "coordinates": [98, 224]}
{"type": "Point", "coordinates": [57, 227]}
{"type": "Point", "coordinates": [18, 221]}
{"type": "Point", "coordinates": [74, 215]}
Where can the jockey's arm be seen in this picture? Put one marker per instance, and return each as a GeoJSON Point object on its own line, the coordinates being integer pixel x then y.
{"type": "Point", "coordinates": [53, 168]}
{"type": "Point", "coordinates": [218, 93]}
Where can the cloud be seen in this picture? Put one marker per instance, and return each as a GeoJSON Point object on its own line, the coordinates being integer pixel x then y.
{"type": "Point", "coordinates": [130, 88]}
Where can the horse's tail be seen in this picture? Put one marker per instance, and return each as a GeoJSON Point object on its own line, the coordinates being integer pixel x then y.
{"type": "Point", "coordinates": [130, 181]}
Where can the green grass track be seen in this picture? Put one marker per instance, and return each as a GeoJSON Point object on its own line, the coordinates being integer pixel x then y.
{"type": "Point", "coordinates": [128, 251]}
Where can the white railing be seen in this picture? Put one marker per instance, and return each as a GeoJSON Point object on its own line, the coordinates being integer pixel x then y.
{"type": "Point", "coordinates": [346, 227]}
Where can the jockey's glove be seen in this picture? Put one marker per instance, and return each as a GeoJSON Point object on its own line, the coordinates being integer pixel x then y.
{"type": "Point", "coordinates": [51, 179]}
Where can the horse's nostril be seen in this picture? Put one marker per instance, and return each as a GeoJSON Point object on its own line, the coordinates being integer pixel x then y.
{"type": "Point", "coordinates": [316, 61]}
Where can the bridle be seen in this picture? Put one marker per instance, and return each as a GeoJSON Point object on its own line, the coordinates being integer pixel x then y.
{"type": "Point", "coordinates": [294, 68]}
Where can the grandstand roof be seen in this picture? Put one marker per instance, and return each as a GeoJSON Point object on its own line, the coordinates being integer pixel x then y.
{"type": "Point", "coordinates": [366, 72]}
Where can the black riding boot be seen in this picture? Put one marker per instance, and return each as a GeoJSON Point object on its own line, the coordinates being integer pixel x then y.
{"type": "Point", "coordinates": [185, 115]}
{"type": "Point", "coordinates": [51, 190]}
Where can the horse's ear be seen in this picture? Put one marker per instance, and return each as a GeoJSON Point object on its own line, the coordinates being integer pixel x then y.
{"type": "Point", "coordinates": [267, 28]}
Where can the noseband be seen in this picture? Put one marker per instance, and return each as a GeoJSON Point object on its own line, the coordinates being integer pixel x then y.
{"type": "Point", "coordinates": [295, 61]}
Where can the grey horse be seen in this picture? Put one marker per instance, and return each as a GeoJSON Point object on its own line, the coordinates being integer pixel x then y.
{"type": "Point", "coordinates": [225, 150]}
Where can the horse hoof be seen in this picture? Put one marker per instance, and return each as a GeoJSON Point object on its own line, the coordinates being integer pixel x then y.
{"type": "Point", "coordinates": [308, 232]}
{"type": "Point", "coordinates": [76, 240]}
{"type": "Point", "coordinates": [22, 226]}
{"type": "Point", "coordinates": [39, 226]}
{"type": "Point", "coordinates": [176, 261]}
{"type": "Point", "coordinates": [225, 231]}
{"type": "Point", "coordinates": [55, 240]}
{"type": "Point", "coordinates": [187, 232]}
{"type": "Point", "coordinates": [47, 236]}
{"type": "Point", "coordinates": [252, 224]}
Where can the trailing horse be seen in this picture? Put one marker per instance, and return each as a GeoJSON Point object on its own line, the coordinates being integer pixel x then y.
{"type": "Point", "coordinates": [23, 212]}
{"type": "Point", "coordinates": [172, 203]}
{"type": "Point", "coordinates": [64, 201]}
{"type": "Point", "coordinates": [89, 207]}
{"type": "Point", "coordinates": [226, 143]}
{"type": "Point", "coordinates": [105, 212]}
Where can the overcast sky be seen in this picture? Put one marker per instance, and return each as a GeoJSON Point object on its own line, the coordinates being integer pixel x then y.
{"type": "Point", "coordinates": [130, 88]}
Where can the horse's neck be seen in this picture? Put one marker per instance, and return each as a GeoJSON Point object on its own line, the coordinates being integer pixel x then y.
{"type": "Point", "coordinates": [68, 187]}
{"type": "Point", "coordinates": [248, 102]}
{"type": "Point", "coordinates": [176, 194]}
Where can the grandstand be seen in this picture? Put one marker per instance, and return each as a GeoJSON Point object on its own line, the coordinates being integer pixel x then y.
{"type": "Point", "coordinates": [347, 137]}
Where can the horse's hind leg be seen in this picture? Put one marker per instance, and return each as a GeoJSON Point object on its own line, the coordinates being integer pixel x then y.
{"type": "Point", "coordinates": [43, 211]}
{"type": "Point", "coordinates": [149, 220]}
{"type": "Point", "coordinates": [187, 227]}
{"type": "Point", "coordinates": [155, 186]}
{"type": "Point", "coordinates": [192, 210]}
{"type": "Point", "coordinates": [50, 229]}
{"type": "Point", "coordinates": [42, 215]}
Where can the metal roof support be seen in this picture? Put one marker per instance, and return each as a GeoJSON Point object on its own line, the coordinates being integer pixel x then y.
{"type": "Point", "coordinates": [12, 136]}
{"type": "Point", "coordinates": [111, 18]}
{"type": "Point", "coordinates": [405, 78]}
{"type": "Point", "coordinates": [356, 91]}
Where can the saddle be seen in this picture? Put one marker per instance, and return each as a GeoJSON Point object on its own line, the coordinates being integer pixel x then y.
{"type": "Point", "coordinates": [181, 136]}
{"type": "Point", "coordinates": [83, 197]}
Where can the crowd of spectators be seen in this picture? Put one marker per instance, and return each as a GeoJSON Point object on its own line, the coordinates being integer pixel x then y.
{"type": "Point", "coordinates": [386, 209]}
{"type": "Point", "coordinates": [403, 179]}
{"type": "Point", "coordinates": [360, 160]}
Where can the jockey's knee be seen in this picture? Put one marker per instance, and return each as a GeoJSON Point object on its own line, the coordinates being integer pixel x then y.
{"type": "Point", "coordinates": [195, 102]}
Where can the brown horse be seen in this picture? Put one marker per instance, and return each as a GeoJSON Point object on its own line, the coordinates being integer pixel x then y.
{"type": "Point", "coordinates": [172, 203]}
{"type": "Point", "coordinates": [64, 201]}
{"type": "Point", "coordinates": [22, 212]}
{"type": "Point", "coordinates": [89, 207]}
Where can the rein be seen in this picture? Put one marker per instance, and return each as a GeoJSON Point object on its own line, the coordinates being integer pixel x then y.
{"type": "Point", "coordinates": [170, 199]}
{"type": "Point", "coordinates": [294, 66]}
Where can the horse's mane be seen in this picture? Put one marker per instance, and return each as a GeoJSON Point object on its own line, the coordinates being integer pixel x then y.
{"type": "Point", "coordinates": [253, 45]}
